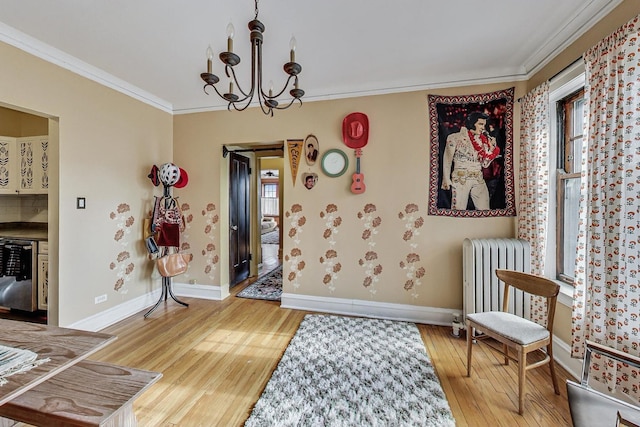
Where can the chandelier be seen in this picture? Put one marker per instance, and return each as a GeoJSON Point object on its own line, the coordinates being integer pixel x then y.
{"type": "Point", "coordinates": [239, 99]}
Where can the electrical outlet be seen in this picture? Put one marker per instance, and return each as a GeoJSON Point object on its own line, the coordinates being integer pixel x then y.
{"type": "Point", "coordinates": [192, 281]}
{"type": "Point", "coordinates": [101, 298]}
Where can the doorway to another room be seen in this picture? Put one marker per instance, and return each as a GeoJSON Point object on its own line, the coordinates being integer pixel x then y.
{"type": "Point", "coordinates": [270, 203]}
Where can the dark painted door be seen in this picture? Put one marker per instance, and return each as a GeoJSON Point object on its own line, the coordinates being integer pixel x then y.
{"type": "Point", "coordinates": [239, 214]}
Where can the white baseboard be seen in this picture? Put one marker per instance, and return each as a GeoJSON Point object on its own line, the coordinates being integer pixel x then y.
{"type": "Point", "coordinates": [198, 291]}
{"type": "Point", "coordinates": [562, 356]}
{"type": "Point", "coordinates": [115, 314]}
{"type": "Point", "coordinates": [120, 312]}
{"type": "Point", "coordinates": [352, 307]}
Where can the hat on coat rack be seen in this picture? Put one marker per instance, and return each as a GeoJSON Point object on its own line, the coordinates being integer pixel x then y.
{"type": "Point", "coordinates": [169, 174]}
{"type": "Point", "coordinates": [183, 180]}
{"type": "Point", "coordinates": [355, 130]}
{"type": "Point", "coordinates": [153, 176]}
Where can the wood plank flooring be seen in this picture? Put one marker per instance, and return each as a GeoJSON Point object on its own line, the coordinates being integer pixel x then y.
{"type": "Point", "coordinates": [217, 356]}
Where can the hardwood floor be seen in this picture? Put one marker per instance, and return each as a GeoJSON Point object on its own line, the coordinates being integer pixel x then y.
{"type": "Point", "coordinates": [217, 356]}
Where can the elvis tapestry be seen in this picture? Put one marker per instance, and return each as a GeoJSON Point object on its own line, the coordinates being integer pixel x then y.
{"type": "Point", "coordinates": [471, 155]}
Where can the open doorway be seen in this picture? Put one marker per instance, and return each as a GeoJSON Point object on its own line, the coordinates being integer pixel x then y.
{"type": "Point", "coordinates": [268, 157]}
{"type": "Point", "coordinates": [269, 213]}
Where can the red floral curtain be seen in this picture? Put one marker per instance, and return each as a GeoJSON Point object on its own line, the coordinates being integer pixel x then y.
{"type": "Point", "coordinates": [607, 291]}
{"type": "Point", "coordinates": [533, 212]}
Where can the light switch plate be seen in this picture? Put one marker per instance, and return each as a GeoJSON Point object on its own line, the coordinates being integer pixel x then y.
{"type": "Point", "coordinates": [80, 203]}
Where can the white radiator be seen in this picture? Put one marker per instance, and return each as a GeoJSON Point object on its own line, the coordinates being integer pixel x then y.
{"type": "Point", "coordinates": [482, 291]}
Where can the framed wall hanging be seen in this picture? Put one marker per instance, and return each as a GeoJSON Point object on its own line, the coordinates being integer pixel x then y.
{"type": "Point", "coordinates": [311, 149]}
{"type": "Point", "coordinates": [471, 155]}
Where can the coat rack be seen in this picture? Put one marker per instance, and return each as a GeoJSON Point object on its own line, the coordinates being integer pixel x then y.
{"type": "Point", "coordinates": [157, 177]}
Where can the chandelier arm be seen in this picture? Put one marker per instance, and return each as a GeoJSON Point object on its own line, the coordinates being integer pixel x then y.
{"type": "Point", "coordinates": [244, 107]}
{"type": "Point", "coordinates": [214, 88]}
{"type": "Point", "coordinates": [279, 107]}
{"type": "Point", "coordinates": [235, 80]}
{"type": "Point", "coordinates": [282, 91]}
{"type": "Point", "coordinates": [266, 110]}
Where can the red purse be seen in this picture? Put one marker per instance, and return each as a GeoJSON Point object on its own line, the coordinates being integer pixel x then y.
{"type": "Point", "coordinates": [168, 235]}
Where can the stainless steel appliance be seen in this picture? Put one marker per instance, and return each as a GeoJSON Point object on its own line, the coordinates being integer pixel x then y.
{"type": "Point", "coordinates": [18, 274]}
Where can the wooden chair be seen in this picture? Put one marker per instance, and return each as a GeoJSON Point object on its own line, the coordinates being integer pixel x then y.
{"type": "Point", "coordinates": [523, 335]}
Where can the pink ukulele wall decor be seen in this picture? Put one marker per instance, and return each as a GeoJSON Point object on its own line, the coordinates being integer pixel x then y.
{"type": "Point", "coordinates": [355, 134]}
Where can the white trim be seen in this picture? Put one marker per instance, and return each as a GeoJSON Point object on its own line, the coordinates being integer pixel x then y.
{"type": "Point", "coordinates": [565, 83]}
{"type": "Point", "coordinates": [572, 31]}
{"type": "Point", "coordinates": [353, 307]}
{"type": "Point", "coordinates": [115, 314]}
{"type": "Point", "coordinates": [50, 54]}
{"type": "Point", "coordinates": [132, 307]}
{"type": "Point", "coordinates": [565, 297]}
{"type": "Point", "coordinates": [198, 291]}
{"type": "Point", "coordinates": [562, 356]}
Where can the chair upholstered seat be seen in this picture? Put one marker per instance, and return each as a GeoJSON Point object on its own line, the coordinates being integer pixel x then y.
{"type": "Point", "coordinates": [510, 326]}
{"type": "Point", "coordinates": [514, 332]}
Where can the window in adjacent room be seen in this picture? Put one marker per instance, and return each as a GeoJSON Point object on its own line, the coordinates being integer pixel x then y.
{"type": "Point", "coordinates": [570, 120]}
{"type": "Point", "coordinates": [269, 200]}
{"type": "Point", "coordinates": [270, 191]}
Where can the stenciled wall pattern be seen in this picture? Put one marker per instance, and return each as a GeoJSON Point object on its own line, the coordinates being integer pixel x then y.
{"type": "Point", "coordinates": [294, 258]}
{"type": "Point", "coordinates": [122, 265]}
{"type": "Point", "coordinates": [209, 252]}
{"type": "Point", "coordinates": [187, 219]}
{"type": "Point", "coordinates": [414, 272]}
{"type": "Point", "coordinates": [330, 259]}
{"type": "Point", "coordinates": [337, 259]}
{"type": "Point", "coordinates": [372, 269]}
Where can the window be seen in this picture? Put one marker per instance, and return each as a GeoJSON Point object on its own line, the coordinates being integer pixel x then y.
{"type": "Point", "coordinates": [270, 191]}
{"type": "Point", "coordinates": [570, 120]}
{"type": "Point", "coordinates": [269, 201]}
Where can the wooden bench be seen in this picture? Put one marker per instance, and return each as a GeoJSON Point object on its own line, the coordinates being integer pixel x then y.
{"type": "Point", "coordinates": [88, 393]}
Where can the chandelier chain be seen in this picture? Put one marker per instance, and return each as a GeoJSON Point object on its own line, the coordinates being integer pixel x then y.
{"type": "Point", "coordinates": [256, 3]}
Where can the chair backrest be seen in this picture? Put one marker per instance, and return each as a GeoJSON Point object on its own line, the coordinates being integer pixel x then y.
{"type": "Point", "coordinates": [531, 284]}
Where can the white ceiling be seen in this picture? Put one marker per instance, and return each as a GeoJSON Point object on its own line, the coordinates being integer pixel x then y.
{"type": "Point", "coordinates": [155, 50]}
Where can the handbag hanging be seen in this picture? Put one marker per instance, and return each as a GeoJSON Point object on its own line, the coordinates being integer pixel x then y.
{"type": "Point", "coordinates": [168, 235]}
{"type": "Point", "coordinates": [173, 264]}
{"type": "Point", "coordinates": [166, 210]}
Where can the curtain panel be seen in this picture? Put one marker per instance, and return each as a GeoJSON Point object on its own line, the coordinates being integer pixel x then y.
{"type": "Point", "coordinates": [533, 212]}
{"type": "Point", "coordinates": [607, 290]}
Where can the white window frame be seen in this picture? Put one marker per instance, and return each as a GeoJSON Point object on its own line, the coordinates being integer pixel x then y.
{"type": "Point", "coordinates": [564, 84]}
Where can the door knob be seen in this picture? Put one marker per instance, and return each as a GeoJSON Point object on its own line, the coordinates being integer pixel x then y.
{"type": "Point", "coordinates": [234, 227]}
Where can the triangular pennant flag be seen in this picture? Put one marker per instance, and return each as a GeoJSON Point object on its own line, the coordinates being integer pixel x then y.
{"type": "Point", "coordinates": [295, 153]}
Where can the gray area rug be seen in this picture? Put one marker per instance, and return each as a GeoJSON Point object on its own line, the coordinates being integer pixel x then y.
{"type": "Point", "coordinates": [268, 287]}
{"type": "Point", "coordinates": [271, 238]}
{"type": "Point", "coordinates": [341, 371]}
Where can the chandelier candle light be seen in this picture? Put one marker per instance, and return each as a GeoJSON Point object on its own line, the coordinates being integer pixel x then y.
{"type": "Point", "coordinates": [267, 100]}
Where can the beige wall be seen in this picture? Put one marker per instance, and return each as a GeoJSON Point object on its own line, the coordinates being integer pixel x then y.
{"type": "Point", "coordinates": [395, 164]}
{"type": "Point", "coordinates": [108, 141]}
{"type": "Point", "coordinates": [103, 146]}
{"type": "Point", "coordinates": [18, 124]}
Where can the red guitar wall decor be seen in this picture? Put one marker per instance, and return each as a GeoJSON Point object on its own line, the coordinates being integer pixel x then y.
{"type": "Point", "coordinates": [357, 186]}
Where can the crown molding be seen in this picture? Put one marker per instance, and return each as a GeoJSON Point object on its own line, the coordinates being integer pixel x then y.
{"type": "Point", "coordinates": [50, 54]}
{"type": "Point", "coordinates": [582, 21]}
